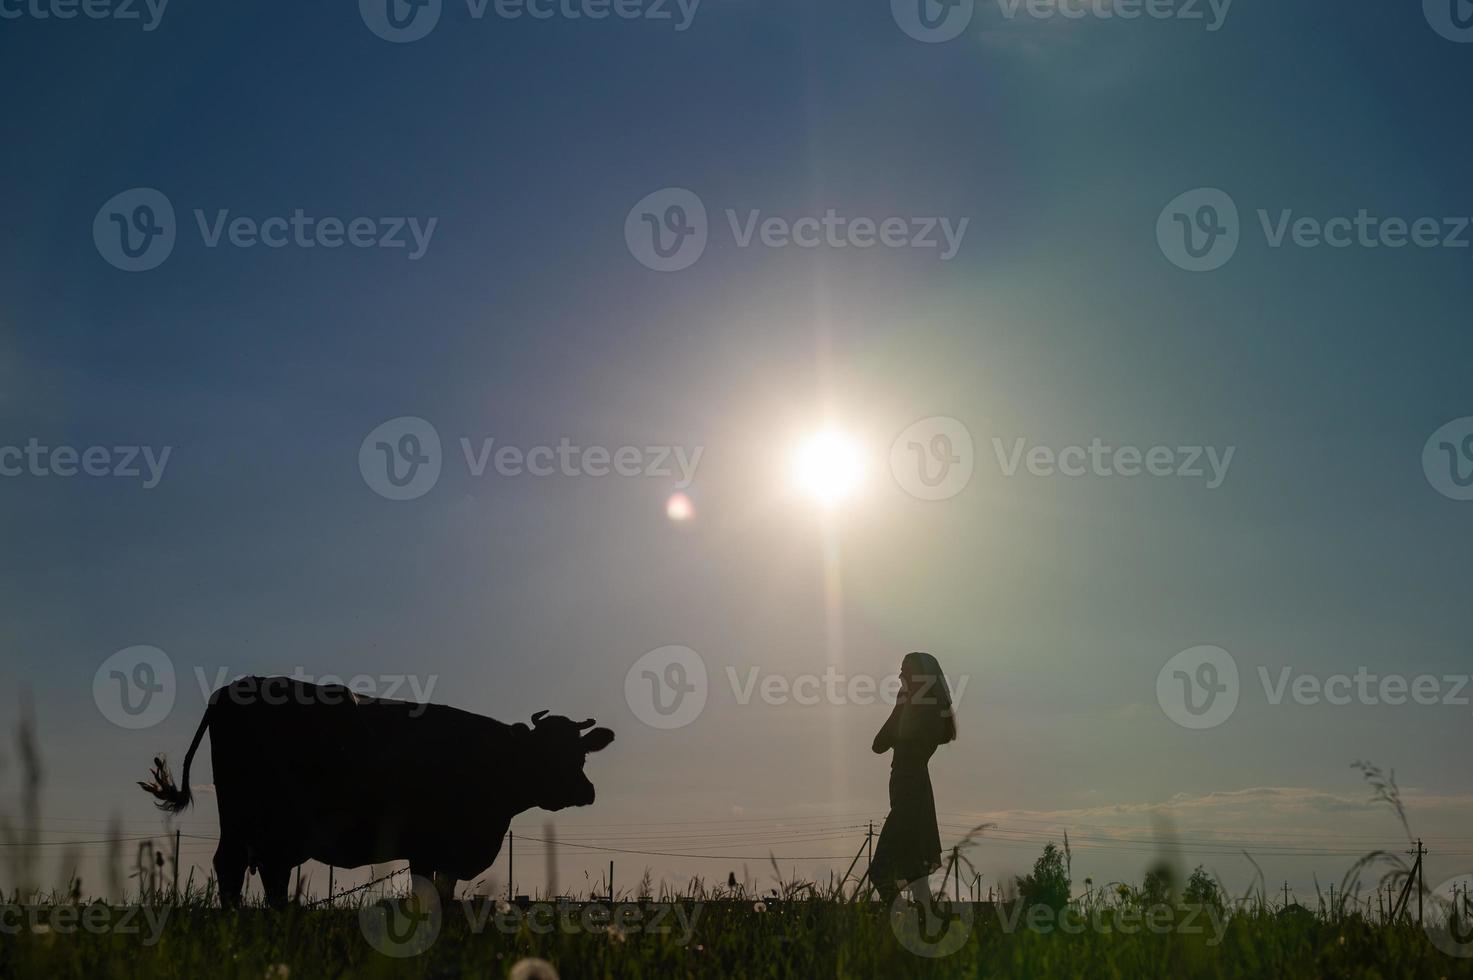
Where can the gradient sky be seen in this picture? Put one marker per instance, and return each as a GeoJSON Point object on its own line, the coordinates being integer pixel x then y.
{"type": "Point", "coordinates": [528, 320]}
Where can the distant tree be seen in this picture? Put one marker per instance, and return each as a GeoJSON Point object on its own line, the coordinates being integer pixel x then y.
{"type": "Point", "coordinates": [1158, 887]}
{"type": "Point", "coordinates": [1049, 882]}
{"type": "Point", "coordinates": [1202, 890]}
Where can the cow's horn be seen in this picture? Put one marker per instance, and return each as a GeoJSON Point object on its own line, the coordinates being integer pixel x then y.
{"type": "Point", "coordinates": [586, 724]}
{"type": "Point", "coordinates": [538, 717]}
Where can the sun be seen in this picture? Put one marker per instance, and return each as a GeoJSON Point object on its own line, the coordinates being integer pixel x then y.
{"type": "Point", "coordinates": [828, 466]}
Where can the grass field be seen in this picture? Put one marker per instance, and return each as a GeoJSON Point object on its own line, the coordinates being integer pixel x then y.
{"type": "Point", "coordinates": [1172, 925]}
{"type": "Point", "coordinates": [807, 939]}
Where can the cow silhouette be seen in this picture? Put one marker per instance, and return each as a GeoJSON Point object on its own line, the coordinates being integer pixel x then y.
{"type": "Point", "coordinates": [314, 772]}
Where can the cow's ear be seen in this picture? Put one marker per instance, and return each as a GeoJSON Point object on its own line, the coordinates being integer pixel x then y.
{"type": "Point", "coordinates": [597, 739]}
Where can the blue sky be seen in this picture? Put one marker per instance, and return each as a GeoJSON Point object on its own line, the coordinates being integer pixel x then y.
{"type": "Point", "coordinates": [528, 320]}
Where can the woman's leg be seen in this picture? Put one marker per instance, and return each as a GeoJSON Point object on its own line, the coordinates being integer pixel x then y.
{"type": "Point", "coordinates": [920, 890]}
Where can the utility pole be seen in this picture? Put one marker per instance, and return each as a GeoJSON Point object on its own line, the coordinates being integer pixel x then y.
{"type": "Point", "coordinates": [176, 867]}
{"type": "Point", "coordinates": [1286, 894]}
{"type": "Point", "coordinates": [611, 882]}
{"type": "Point", "coordinates": [1418, 870]}
{"type": "Point", "coordinates": [869, 846]}
{"type": "Point", "coordinates": [329, 884]}
{"type": "Point", "coordinates": [511, 865]}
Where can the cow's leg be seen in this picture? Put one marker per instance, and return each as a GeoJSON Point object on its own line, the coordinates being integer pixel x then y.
{"type": "Point", "coordinates": [444, 883]}
{"type": "Point", "coordinates": [276, 876]}
{"type": "Point", "coordinates": [230, 872]}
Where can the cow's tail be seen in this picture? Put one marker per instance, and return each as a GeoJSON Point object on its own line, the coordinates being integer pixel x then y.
{"type": "Point", "coordinates": [172, 798]}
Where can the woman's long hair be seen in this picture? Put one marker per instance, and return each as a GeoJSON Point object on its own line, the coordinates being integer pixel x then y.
{"type": "Point", "coordinates": [931, 706]}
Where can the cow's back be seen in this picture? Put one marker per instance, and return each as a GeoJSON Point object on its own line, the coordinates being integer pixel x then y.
{"type": "Point", "coordinates": [349, 777]}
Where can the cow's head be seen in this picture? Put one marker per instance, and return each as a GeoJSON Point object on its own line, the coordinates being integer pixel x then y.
{"type": "Point", "coordinates": [560, 746]}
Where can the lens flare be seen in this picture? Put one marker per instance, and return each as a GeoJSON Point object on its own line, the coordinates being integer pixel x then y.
{"type": "Point", "coordinates": [679, 508]}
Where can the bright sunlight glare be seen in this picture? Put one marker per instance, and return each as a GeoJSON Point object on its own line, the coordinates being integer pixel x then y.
{"type": "Point", "coordinates": [828, 466]}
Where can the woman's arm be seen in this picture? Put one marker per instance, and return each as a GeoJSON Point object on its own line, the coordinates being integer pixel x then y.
{"type": "Point", "coordinates": [885, 739]}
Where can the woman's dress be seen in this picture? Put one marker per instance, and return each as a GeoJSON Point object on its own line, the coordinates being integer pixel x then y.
{"type": "Point", "coordinates": [910, 843]}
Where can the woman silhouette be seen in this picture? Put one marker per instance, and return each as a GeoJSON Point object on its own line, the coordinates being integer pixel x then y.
{"type": "Point", "coordinates": [910, 844]}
